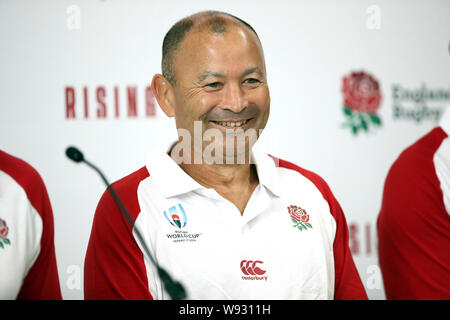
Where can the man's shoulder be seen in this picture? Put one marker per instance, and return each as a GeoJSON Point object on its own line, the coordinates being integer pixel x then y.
{"type": "Point", "coordinates": [317, 181]}
{"type": "Point", "coordinates": [418, 156]}
{"type": "Point", "coordinates": [126, 189]}
{"type": "Point", "coordinates": [130, 182]}
{"type": "Point", "coordinates": [315, 178]}
{"type": "Point", "coordinates": [424, 148]}
{"type": "Point", "coordinates": [319, 185]}
{"type": "Point", "coordinates": [21, 171]}
{"type": "Point", "coordinates": [29, 180]}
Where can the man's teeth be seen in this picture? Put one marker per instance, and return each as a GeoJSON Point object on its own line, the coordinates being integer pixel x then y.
{"type": "Point", "coordinates": [232, 124]}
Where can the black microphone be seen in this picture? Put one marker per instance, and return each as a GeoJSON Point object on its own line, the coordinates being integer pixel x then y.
{"type": "Point", "coordinates": [174, 288]}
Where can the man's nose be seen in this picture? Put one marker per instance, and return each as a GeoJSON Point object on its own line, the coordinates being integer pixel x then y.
{"type": "Point", "coordinates": [233, 98]}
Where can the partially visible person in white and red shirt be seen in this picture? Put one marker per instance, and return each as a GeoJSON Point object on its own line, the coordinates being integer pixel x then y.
{"type": "Point", "coordinates": [27, 252]}
{"type": "Point", "coordinates": [414, 222]}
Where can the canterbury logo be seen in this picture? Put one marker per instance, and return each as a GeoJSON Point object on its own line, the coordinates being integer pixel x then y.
{"type": "Point", "coordinates": [249, 267]}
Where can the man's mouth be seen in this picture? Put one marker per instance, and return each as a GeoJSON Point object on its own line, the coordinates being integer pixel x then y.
{"type": "Point", "coordinates": [232, 123]}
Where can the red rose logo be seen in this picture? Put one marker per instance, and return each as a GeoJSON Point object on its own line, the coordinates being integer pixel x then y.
{"type": "Point", "coordinates": [361, 92]}
{"type": "Point", "coordinates": [299, 217]}
{"type": "Point", "coordinates": [298, 214]}
{"type": "Point", "coordinates": [4, 230]}
{"type": "Point", "coordinates": [362, 99]}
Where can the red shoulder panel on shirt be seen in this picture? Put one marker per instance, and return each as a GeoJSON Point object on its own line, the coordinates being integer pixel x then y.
{"type": "Point", "coordinates": [126, 189]}
{"type": "Point", "coordinates": [114, 265]}
{"type": "Point", "coordinates": [30, 181]}
{"type": "Point", "coordinates": [423, 149]}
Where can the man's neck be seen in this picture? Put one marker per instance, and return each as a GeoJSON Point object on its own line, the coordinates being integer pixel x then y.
{"type": "Point", "coordinates": [228, 174]}
{"type": "Point", "coordinates": [222, 176]}
{"type": "Point", "coordinates": [235, 183]}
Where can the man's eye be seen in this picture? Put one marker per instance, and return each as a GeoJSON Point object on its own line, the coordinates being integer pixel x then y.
{"type": "Point", "coordinates": [251, 80]}
{"type": "Point", "coordinates": [213, 85]}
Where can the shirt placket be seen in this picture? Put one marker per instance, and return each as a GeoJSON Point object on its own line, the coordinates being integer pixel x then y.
{"type": "Point", "coordinates": [257, 204]}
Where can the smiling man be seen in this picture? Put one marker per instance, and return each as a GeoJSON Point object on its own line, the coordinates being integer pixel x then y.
{"type": "Point", "coordinates": [227, 222]}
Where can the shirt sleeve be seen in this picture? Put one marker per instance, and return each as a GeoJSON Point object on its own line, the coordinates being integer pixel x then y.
{"type": "Point", "coordinates": [114, 266]}
{"type": "Point", "coordinates": [42, 281]}
{"type": "Point", "coordinates": [348, 285]}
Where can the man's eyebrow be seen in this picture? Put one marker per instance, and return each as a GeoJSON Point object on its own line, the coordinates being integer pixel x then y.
{"type": "Point", "coordinates": [253, 70]}
{"type": "Point", "coordinates": [207, 74]}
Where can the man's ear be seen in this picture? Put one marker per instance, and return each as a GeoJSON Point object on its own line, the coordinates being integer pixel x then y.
{"type": "Point", "coordinates": [164, 94]}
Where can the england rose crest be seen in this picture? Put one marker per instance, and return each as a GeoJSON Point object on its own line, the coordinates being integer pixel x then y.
{"type": "Point", "coordinates": [4, 230]}
{"type": "Point", "coordinates": [299, 217]}
{"type": "Point", "coordinates": [362, 99]}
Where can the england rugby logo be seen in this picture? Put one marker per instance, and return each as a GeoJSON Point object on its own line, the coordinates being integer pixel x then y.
{"type": "Point", "coordinates": [299, 217]}
{"type": "Point", "coordinates": [4, 230]}
{"type": "Point", "coordinates": [362, 99]}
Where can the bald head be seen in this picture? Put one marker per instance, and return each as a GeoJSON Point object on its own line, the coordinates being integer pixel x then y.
{"type": "Point", "coordinates": [215, 22]}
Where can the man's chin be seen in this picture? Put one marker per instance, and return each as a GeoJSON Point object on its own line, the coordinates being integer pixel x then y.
{"type": "Point", "coordinates": [228, 155]}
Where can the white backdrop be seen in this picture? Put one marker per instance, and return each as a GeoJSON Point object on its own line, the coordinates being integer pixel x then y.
{"type": "Point", "coordinates": [47, 46]}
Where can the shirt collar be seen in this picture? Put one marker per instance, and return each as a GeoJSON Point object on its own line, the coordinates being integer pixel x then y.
{"type": "Point", "coordinates": [172, 180]}
{"type": "Point", "coordinates": [168, 175]}
{"type": "Point", "coordinates": [266, 168]}
{"type": "Point", "coordinates": [445, 121]}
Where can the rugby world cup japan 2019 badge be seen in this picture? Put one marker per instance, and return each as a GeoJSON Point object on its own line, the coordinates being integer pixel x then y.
{"type": "Point", "coordinates": [176, 216]}
{"type": "Point", "coordinates": [4, 230]}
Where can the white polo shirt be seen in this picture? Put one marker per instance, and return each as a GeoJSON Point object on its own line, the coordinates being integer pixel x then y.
{"type": "Point", "coordinates": [291, 242]}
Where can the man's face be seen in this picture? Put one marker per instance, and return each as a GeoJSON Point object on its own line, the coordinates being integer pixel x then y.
{"type": "Point", "coordinates": [221, 84]}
